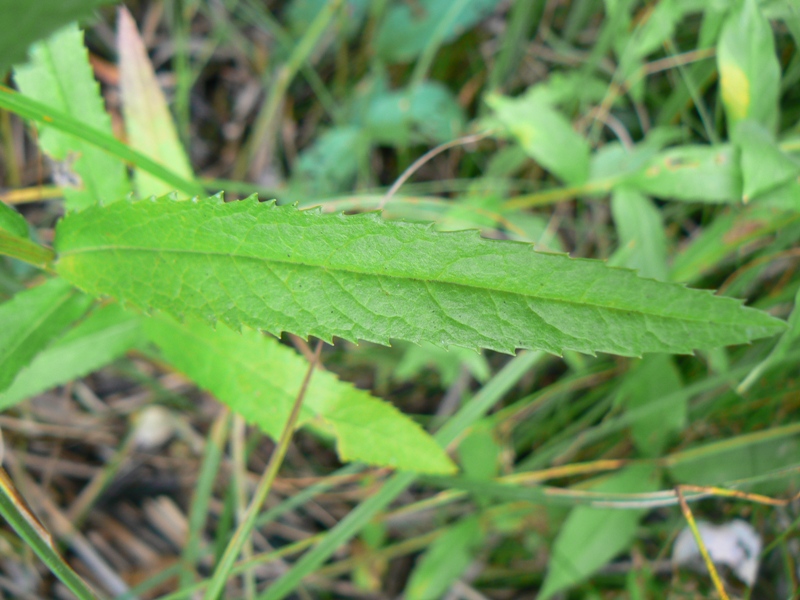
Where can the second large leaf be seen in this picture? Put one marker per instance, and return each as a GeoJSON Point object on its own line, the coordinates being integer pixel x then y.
{"type": "Point", "coordinates": [277, 268]}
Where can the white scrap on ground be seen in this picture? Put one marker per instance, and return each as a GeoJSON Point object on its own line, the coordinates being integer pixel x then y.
{"type": "Point", "coordinates": [735, 544]}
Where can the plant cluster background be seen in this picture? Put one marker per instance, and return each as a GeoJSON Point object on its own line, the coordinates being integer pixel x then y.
{"type": "Point", "coordinates": [236, 361]}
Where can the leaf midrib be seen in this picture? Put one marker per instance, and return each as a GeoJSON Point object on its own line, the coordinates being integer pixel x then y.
{"type": "Point", "coordinates": [100, 249]}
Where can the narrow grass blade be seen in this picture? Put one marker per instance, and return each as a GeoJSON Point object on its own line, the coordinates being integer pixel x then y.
{"type": "Point", "coordinates": [31, 110]}
{"type": "Point", "coordinates": [18, 514]}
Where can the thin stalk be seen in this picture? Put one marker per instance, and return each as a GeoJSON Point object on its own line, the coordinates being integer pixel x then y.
{"type": "Point", "coordinates": [687, 513]}
{"type": "Point", "coordinates": [364, 513]}
{"type": "Point", "coordinates": [16, 513]}
{"type": "Point", "coordinates": [244, 529]}
{"type": "Point", "coordinates": [198, 513]}
{"type": "Point", "coordinates": [25, 250]}
{"type": "Point", "coordinates": [266, 118]}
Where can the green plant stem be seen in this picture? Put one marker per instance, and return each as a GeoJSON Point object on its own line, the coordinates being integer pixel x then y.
{"type": "Point", "coordinates": [35, 111]}
{"type": "Point", "coordinates": [25, 250]}
{"type": "Point", "coordinates": [365, 512]}
{"type": "Point", "coordinates": [16, 513]}
{"type": "Point", "coordinates": [202, 494]}
{"type": "Point", "coordinates": [266, 118]}
{"type": "Point", "coordinates": [245, 528]}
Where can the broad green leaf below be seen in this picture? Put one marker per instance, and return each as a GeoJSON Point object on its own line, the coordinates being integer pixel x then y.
{"type": "Point", "coordinates": [259, 379]}
{"type": "Point", "coordinates": [32, 319]}
{"type": "Point", "coordinates": [360, 277]}
{"type": "Point", "coordinates": [103, 336]}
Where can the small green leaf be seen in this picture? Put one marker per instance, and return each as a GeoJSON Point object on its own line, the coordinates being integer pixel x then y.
{"type": "Point", "coordinates": [764, 165]}
{"type": "Point", "coordinates": [641, 233]}
{"type": "Point", "coordinates": [259, 379]}
{"type": "Point", "coordinates": [25, 22]}
{"type": "Point", "coordinates": [748, 65]}
{"type": "Point", "coordinates": [148, 122]}
{"type": "Point", "coordinates": [359, 277]}
{"type": "Point", "coordinates": [32, 319]}
{"type": "Point", "coordinates": [102, 337]}
{"type": "Point", "coordinates": [691, 173]}
{"type": "Point", "coordinates": [59, 75]}
{"type": "Point", "coordinates": [544, 134]}
{"type": "Point", "coordinates": [445, 560]}
{"type": "Point", "coordinates": [448, 363]}
{"type": "Point", "coordinates": [12, 221]}
{"type": "Point", "coordinates": [407, 29]}
{"type": "Point", "coordinates": [591, 537]}
{"type": "Point", "coordinates": [330, 165]}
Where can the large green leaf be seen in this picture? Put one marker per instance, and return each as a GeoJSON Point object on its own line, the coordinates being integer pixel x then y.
{"type": "Point", "coordinates": [23, 23]}
{"type": "Point", "coordinates": [359, 277]}
{"type": "Point", "coordinates": [102, 337]}
{"type": "Point", "coordinates": [60, 76]}
{"type": "Point", "coordinates": [30, 321]}
{"type": "Point", "coordinates": [259, 379]}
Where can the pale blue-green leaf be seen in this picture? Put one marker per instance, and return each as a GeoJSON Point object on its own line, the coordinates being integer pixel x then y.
{"type": "Point", "coordinates": [426, 113]}
{"type": "Point", "coordinates": [445, 560]}
{"type": "Point", "coordinates": [591, 537]}
{"type": "Point", "coordinates": [406, 29]}
{"type": "Point", "coordinates": [359, 277]}
{"type": "Point", "coordinates": [32, 319]}
{"type": "Point", "coordinates": [59, 75]}
{"type": "Point", "coordinates": [101, 338]}
{"type": "Point", "coordinates": [544, 133]}
{"type": "Point", "coordinates": [691, 173]}
{"type": "Point", "coordinates": [641, 233]}
{"type": "Point", "coordinates": [259, 379]}
{"type": "Point", "coordinates": [330, 165]}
